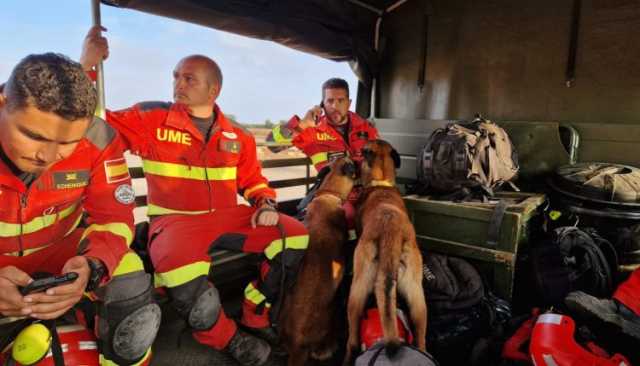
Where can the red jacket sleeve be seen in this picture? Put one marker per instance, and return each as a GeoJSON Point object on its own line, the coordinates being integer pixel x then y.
{"type": "Point", "coordinates": [130, 126]}
{"type": "Point", "coordinates": [109, 206]}
{"type": "Point", "coordinates": [251, 183]}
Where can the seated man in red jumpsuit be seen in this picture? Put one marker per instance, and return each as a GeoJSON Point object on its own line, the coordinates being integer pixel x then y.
{"type": "Point", "coordinates": [59, 164]}
{"type": "Point", "coordinates": [618, 317]}
{"type": "Point", "coordinates": [326, 132]}
{"type": "Point", "coordinates": [196, 162]}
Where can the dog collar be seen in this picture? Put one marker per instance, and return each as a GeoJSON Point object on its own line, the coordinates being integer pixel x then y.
{"type": "Point", "coordinates": [381, 183]}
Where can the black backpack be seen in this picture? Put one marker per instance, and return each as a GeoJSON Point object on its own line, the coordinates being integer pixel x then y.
{"type": "Point", "coordinates": [574, 259]}
{"type": "Point", "coordinates": [476, 156]}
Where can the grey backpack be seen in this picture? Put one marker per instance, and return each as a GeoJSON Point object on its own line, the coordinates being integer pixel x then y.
{"type": "Point", "coordinates": [471, 156]}
{"type": "Point", "coordinates": [406, 356]}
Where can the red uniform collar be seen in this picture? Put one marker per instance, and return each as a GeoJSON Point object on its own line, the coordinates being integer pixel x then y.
{"type": "Point", "coordinates": [179, 118]}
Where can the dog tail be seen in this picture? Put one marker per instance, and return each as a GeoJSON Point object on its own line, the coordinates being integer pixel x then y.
{"type": "Point", "coordinates": [390, 249]}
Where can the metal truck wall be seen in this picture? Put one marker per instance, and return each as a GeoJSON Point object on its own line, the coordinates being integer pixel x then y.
{"type": "Point", "coordinates": [507, 59]}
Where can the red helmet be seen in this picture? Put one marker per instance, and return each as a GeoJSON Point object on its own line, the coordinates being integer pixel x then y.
{"type": "Point", "coordinates": [371, 328]}
{"type": "Point", "coordinates": [78, 345]}
{"type": "Point", "coordinates": [552, 344]}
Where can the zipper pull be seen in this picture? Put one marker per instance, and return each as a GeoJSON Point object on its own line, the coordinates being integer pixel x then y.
{"type": "Point", "coordinates": [23, 200]}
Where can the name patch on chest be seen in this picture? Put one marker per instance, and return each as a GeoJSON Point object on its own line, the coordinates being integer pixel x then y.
{"type": "Point", "coordinates": [70, 179]}
{"type": "Point", "coordinates": [178, 137]}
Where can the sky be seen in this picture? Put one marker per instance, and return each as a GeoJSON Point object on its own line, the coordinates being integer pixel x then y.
{"type": "Point", "coordinates": [262, 80]}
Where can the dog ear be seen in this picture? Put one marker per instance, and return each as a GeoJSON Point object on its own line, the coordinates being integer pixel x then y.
{"type": "Point", "coordinates": [322, 174]}
{"type": "Point", "coordinates": [349, 169]}
{"type": "Point", "coordinates": [396, 158]}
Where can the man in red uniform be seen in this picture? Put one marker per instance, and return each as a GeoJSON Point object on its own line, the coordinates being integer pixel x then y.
{"type": "Point", "coordinates": [329, 130]}
{"type": "Point", "coordinates": [58, 164]}
{"type": "Point", "coordinates": [326, 132]}
{"type": "Point", "coordinates": [196, 162]}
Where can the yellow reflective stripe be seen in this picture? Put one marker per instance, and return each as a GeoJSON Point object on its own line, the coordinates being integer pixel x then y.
{"type": "Point", "coordinates": [188, 172]}
{"type": "Point", "coordinates": [248, 192]}
{"type": "Point", "coordinates": [319, 158]}
{"type": "Point", "coordinates": [154, 210]}
{"type": "Point", "coordinates": [8, 230]}
{"type": "Point", "coordinates": [227, 173]}
{"type": "Point", "coordinates": [116, 228]}
{"type": "Point", "coordinates": [130, 262]}
{"type": "Point", "coordinates": [181, 275]}
{"type": "Point", "coordinates": [254, 295]}
{"type": "Point", "coordinates": [278, 136]}
{"type": "Point", "coordinates": [105, 362]}
{"type": "Point", "coordinates": [293, 242]}
{"type": "Point", "coordinates": [33, 250]}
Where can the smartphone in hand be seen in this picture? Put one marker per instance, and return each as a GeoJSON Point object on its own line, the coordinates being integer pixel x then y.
{"type": "Point", "coordinates": [46, 283]}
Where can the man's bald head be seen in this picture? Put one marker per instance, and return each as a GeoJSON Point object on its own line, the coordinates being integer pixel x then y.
{"type": "Point", "coordinates": [214, 74]}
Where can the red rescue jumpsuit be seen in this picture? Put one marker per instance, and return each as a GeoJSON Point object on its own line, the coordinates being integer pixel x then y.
{"type": "Point", "coordinates": [192, 200]}
{"type": "Point", "coordinates": [39, 224]}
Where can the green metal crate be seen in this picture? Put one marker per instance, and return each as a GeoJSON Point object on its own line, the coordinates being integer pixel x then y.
{"type": "Point", "coordinates": [461, 229]}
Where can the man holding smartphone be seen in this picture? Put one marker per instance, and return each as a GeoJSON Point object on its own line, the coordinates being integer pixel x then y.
{"type": "Point", "coordinates": [328, 130]}
{"type": "Point", "coordinates": [66, 210]}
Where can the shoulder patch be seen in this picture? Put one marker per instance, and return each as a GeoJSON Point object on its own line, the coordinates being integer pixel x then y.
{"type": "Point", "coordinates": [100, 133]}
{"type": "Point", "coordinates": [125, 194]}
{"type": "Point", "coordinates": [146, 106]}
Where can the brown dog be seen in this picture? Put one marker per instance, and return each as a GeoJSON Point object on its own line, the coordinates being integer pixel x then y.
{"type": "Point", "coordinates": [307, 316]}
{"type": "Point", "coordinates": [386, 259]}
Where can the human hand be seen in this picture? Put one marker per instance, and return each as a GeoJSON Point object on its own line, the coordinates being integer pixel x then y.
{"type": "Point", "coordinates": [58, 300]}
{"type": "Point", "coordinates": [11, 302]}
{"type": "Point", "coordinates": [265, 216]}
{"type": "Point", "coordinates": [95, 48]}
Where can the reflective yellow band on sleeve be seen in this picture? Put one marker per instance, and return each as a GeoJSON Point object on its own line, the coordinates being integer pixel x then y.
{"type": "Point", "coordinates": [299, 242]}
{"type": "Point", "coordinates": [319, 158]}
{"type": "Point", "coordinates": [116, 228]}
{"type": "Point", "coordinates": [181, 275]}
{"type": "Point", "coordinates": [188, 172]}
{"type": "Point", "coordinates": [278, 136]}
{"type": "Point", "coordinates": [247, 193]}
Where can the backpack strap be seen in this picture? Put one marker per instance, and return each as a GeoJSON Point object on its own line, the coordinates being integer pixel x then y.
{"type": "Point", "coordinates": [56, 347]}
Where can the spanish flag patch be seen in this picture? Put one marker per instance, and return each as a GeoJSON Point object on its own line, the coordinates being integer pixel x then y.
{"type": "Point", "coordinates": [116, 170]}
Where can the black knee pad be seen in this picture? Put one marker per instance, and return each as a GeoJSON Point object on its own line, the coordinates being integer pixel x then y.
{"type": "Point", "coordinates": [129, 318]}
{"type": "Point", "coordinates": [198, 302]}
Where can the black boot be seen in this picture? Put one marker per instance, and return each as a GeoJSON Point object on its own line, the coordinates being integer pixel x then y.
{"type": "Point", "coordinates": [248, 350]}
{"type": "Point", "coordinates": [610, 320]}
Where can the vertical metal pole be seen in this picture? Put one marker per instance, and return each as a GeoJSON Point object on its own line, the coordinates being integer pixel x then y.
{"type": "Point", "coordinates": [374, 83]}
{"type": "Point", "coordinates": [100, 108]}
